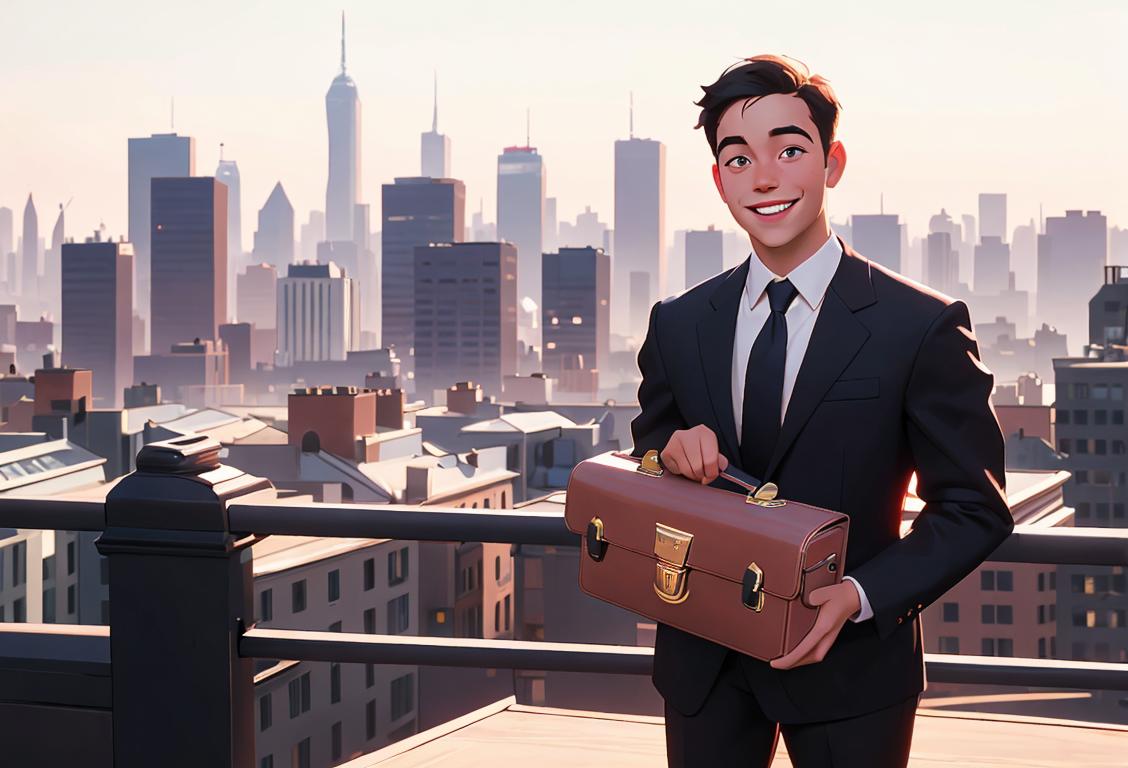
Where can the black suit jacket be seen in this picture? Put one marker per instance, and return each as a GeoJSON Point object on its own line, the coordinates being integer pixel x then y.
{"type": "Point", "coordinates": [891, 384]}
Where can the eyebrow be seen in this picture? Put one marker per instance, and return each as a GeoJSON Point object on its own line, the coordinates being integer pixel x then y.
{"type": "Point", "coordinates": [783, 130]}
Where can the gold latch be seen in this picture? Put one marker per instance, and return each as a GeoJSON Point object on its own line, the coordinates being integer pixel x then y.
{"type": "Point", "coordinates": [765, 496]}
{"type": "Point", "coordinates": [752, 588]}
{"type": "Point", "coordinates": [649, 464]}
{"type": "Point", "coordinates": [671, 546]}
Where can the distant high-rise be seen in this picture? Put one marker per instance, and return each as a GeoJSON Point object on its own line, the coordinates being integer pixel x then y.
{"type": "Point", "coordinates": [228, 172]}
{"type": "Point", "coordinates": [313, 232]}
{"type": "Point", "coordinates": [941, 263]}
{"type": "Point", "coordinates": [318, 314]}
{"type": "Point", "coordinates": [7, 232]}
{"type": "Point", "coordinates": [1108, 309]}
{"type": "Point", "coordinates": [342, 111]}
{"type": "Point", "coordinates": [992, 266]}
{"type": "Point", "coordinates": [520, 218]}
{"type": "Point", "coordinates": [993, 215]}
{"type": "Point", "coordinates": [97, 315]}
{"type": "Point", "coordinates": [435, 147]}
{"type": "Point", "coordinates": [588, 231]}
{"type": "Point", "coordinates": [189, 260]}
{"type": "Point", "coordinates": [465, 315]}
{"type": "Point", "coordinates": [878, 238]}
{"type": "Point", "coordinates": [274, 238]}
{"type": "Point", "coordinates": [576, 319]}
{"type": "Point", "coordinates": [640, 229]}
{"type": "Point", "coordinates": [49, 296]}
{"type": "Point", "coordinates": [417, 211]}
{"type": "Point", "coordinates": [1071, 258]}
{"type": "Point", "coordinates": [29, 266]}
{"type": "Point", "coordinates": [257, 290]}
{"type": "Point", "coordinates": [704, 254]}
{"type": "Point", "coordinates": [1024, 256]}
{"type": "Point", "coordinates": [162, 154]}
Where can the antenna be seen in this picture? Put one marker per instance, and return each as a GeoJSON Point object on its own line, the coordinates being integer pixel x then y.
{"type": "Point", "coordinates": [632, 114]}
{"type": "Point", "coordinates": [435, 114]}
{"type": "Point", "coordinates": [342, 42]}
{"type": "Point", "coordinates": [221, 151]}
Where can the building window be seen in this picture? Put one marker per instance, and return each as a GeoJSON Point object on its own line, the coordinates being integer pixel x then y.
{"type": "Point", "coordinates": [1004, 614]}
{"type": "Point", "coordinates": [398, 614]}
{"type": "Point", "coordinates": [299, 695]}
{"type": "Point", "coordinates": [1004, 581]}
{"type": "Point", "coordinates": [507, 612]}
{"type": "Point", "coordinates": [1065, 445]}
{"type": "Point", "coordinates": [987, 614]}
{"type": "Point", "coordinates": [19, 564]}
{"type": "Point", "coordinates": [334, 683]}
{"type": "Point", "coordinates": [1041, 582]}
{"type": "Point", "coordinates": [1080, 417]}
{"type": "Point", "coordinates": [369, 675]}
{"type": "Point", "coordinates": [369, 574]}
{"type": "Point", "coordinates": [1083, 510]}
{"type": "Point", "coordinates": [1081, 477]}
{"type": "Point", "coordinates": [1082, 447]}
{"type": "Point", "coordinates": [1004, 646]}
{"type": "Point", "coordinates": [104, 563]}
{"type": "Point", "coordinates": [497, 568]}
{"type": "Point", "coordinates": [265, 714]}
{"type": "Point", "coordinates": [987, 581]}
{"type": "Point", "coordinates": [299, 757]}
{"type": "Point", "coordinates": [497, 616]}
{"type": "Point", "coordinates": [1100, 417]}
{"type": "Point", "coordinates": [370, 621]}
{"type": "Point", "coordinates": [72, 600]}
{"type": "Point", "coordinates": [71, 559]}
{"type": "Point", "coordinates": [949, 644]}
{"type": "Point", "coordinates": [397, 566]}
{"type": "Point", "coordinates": [267, 761]}
{"type": "Point", "coordinates": [266, 605]}
{"type": "Point", "coordinates": [370, 720]}
{"type": "Point", "coordinates": [951, 612]}
{"type": "Point", "coordinates": [298, 596]}
{"type": "Point", "coordinates": [1063, 417]}
{"type": "Point", "coordinates": [19, 610]}
{"type": "Point", "coordinates": [1100, 391]}
{"type": "Point", "coordinates": [1041, 647]}
{"type": "Point", "coordinates": [503, 498]}
{"type": "Point", "coordinates": [987, 647]}
{"type": "Point", "coordinates": [335, 741]}
{"type": "Point", "coordinates": [403, 696]}
{"type": "Point", "coordinates": [1118, 417]}
{"type": "Point", "coordinates": [334, 585]}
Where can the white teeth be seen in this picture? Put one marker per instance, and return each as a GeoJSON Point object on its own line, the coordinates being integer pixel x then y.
{"type": "Point", "coordinates": [769, 210]}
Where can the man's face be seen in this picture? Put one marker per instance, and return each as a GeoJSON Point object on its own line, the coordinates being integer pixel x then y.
{"type": "Point", "coordinates": [770, 168]}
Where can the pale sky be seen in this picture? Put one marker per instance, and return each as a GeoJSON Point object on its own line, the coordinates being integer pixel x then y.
{"type": "Point", "coordinates": [942, 100]}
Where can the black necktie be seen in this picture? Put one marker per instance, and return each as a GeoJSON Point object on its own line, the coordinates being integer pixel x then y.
{"type": "Point", "coordinates": [763, 383]}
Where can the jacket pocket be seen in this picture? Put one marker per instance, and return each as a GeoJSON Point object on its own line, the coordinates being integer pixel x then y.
{"type": "Point", "coordinates": [853, 389]}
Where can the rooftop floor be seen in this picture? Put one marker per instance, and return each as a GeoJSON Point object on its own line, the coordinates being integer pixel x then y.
{"type": "Point", "coordinates": [506, 734]}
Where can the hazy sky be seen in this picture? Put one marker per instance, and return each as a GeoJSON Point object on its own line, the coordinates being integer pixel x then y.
{"type": "Point", "coordinates": [941, 100]}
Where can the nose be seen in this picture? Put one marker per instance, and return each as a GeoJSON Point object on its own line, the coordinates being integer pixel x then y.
{"type": "Point", "coordinates": [765, 179]}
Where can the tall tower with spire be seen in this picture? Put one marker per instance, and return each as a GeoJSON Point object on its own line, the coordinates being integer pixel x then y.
{"type": "Point", "coordinates": [29, 256]}
{"type": "Point", "coordinates": [342, 112]}
{"type": "Point", "coordinates": [434, 146]}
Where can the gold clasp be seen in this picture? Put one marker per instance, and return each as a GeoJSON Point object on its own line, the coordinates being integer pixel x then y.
{"type": "Point", "coordinates": [671, 546]}
{"type": "Point", "coordinates": [650, 465]}
{"type": "Point", "coordinates": [752, 588]}
{"type": "Point", "coordinates": [765, 496]}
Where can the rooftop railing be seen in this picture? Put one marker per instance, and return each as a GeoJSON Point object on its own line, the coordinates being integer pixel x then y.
{"type": "Point", "coordinates": [178, 535]}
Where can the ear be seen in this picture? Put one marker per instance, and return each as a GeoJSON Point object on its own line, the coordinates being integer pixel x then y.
{"type": "Point", "coordinates": [835, 163]}
{"type": "Point", "coordinates": [717, 181]}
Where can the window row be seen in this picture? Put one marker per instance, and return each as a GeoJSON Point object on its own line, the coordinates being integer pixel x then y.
{"type": "Point", "coordinates": [1085, 447]}
{"type": "Point", "coordinates": [1101, 510]}
{"type": "Point", "coordinates": [1087, 391]}
{"type": "Point", "coordinates": [1110, 618]}
{"type": "Point", "coordinates": [1099, 584]}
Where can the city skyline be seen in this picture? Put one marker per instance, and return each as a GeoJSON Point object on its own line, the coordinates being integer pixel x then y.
{"type": "Point", "coordinates": [983, 118]}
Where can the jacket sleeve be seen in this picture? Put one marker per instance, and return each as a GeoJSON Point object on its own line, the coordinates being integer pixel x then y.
{"type": "Point", "coordinates": [957, 447]}
{"type": "Point", "coordinates": [660, 416]}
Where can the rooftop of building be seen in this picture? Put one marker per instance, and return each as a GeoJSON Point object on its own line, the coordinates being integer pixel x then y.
{"type": "Point", "coordinates": [507, 734]}
{"type": "Point", "coordinates": [282, 553]}
{"type": "Point", "coordinates": [24, 461]}
{"type": "Point", "coordinates": [527, 422]}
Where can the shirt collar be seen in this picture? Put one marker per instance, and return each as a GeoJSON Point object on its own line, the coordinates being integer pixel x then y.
{"type": "Point", "coordinates": [811, 278]}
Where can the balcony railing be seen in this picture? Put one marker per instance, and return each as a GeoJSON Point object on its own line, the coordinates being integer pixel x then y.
{"type": "Point", "coordinates": [178, 533]}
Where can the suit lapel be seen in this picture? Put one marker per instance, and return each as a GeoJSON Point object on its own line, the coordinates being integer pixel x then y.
{"type": "Point", "coordinates": [835, 340]}
{"type": "Point", "coordinates": [716, 332]}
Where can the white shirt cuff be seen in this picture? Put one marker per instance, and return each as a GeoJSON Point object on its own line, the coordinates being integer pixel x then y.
{"type": "Point", "coordinates": [866, 611]}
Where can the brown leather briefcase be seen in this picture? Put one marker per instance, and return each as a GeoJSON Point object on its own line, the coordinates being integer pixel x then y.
{"type": "Point", "coordinates": [734, 568]}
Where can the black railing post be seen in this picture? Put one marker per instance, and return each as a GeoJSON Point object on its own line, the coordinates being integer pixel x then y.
{"type": "Point", "coordinates": [180, 591]}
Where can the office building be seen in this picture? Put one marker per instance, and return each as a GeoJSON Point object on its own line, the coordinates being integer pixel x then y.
{"type": "Point", "coordinates": [640, 231]}
{"type": "Point", "coordinates": [159, 155]}
{"type": "Point", "coordinates": [257, 290]}
{"type": "Point", "coordinates": [189, 260]}
{"type": "Point", "coordinates": [342, 113]}
{"type": "Point", "coordinates": [1072, 254]}
{"type": "Point", "coordinates": [576, 319]}
{"type": "Point", "coordinates": [521, 180]}
{"type": "Point", "coordinates": [30, 266]}
{"type": "Point", "coordinates": [97, 321]}
{"type": "Point", "coordinates": [992, 266]}
{"type": "Point", "coordinates": [704, 254]}
{"type": "Point", "coordinates": [416, 212]}
{"type": "Point", "coordinates": [274, 238]}
{"type": "Point", "coordinates": [465, 315]}
{"type": "Point", "coordinates": [878, 238]}
{"type": "Point", "coordinates": [1108, 309]}
{"type": "Point", "coordinates": [318, 314]}
{"type": "Point", "coordinates": [941, 263]}
{"type": "Point", "coordinates": [992, 216]}
{"type": "Point", "coordinates": [227, 172]}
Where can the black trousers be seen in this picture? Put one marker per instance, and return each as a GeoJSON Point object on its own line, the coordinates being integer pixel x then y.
{"type": "Point", "coordinates": [730, 730]}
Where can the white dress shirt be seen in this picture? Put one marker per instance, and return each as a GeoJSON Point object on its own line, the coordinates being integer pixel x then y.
{"type": "Point", "coordinates": [811, 279]}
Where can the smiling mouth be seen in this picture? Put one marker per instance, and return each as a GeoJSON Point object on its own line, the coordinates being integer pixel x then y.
{"type": "Point", "coordinates": [773, 208]}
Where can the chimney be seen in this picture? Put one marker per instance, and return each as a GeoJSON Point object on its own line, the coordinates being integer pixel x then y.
{"type": "Point", "coordinates": [389, 408]}
{"type": "Point", "coordinates": [464, 397]}
{"type": "Point", "coordinates": [330, 419]}
{"type": "Point", "coordinates": [63, 390]}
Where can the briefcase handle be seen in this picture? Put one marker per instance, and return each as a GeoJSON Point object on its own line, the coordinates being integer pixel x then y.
{"type": "Point", "coordinates": [650, 464]}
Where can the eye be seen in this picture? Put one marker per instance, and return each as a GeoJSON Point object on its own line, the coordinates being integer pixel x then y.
{"type": "Point", "coordinates": [733, 161]}
{"type": "Point", "coordinates": [792, 152]}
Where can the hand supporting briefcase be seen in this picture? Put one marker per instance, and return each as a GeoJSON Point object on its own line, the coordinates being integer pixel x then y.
{"type": "Point", "coordinates": [733, 568]}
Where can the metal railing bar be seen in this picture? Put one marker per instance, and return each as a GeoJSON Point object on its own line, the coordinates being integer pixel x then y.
{"type": "Point", "coordinates": [1064, 546]}
{"type": "Point", "coordinates": [52, 514]}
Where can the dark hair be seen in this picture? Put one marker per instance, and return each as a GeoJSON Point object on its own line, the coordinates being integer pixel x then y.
{"type": "Point", "coordinates": [760, 76]}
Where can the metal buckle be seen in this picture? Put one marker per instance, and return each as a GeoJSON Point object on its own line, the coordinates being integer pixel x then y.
{"type": "Point", "coordinates": [752, 590]}
{"type": "Point", "coordinates": [650, 464]}
{"type": "Point", "coordinates": [765, 496]}
{"type": "Point", "coordinates": [671, 546]}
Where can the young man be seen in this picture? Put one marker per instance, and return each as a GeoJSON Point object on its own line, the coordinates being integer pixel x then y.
{"type": "Point", "coordinates": [837, 379]}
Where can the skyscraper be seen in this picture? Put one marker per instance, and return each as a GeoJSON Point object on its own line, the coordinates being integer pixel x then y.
{"type": "Point", "coordinates": [162, 154]}
{"type": "Point", "coordinates": [228, 172]}
{"type": "Point", "coordinates": [878, 238]}
{"type": "Point", "coordinates": [435, 147]}
{"type": "Point", "coordinates": [640, 229]}
{"type": "Point", "coordinates": [417, 211]}
{"type": "Point", "coordinates": [704, 254]}
{"type": "Point", "coordinates": [992, 215]}
{"type": "Point", "coordinates": [97, 317]}
{"type": "Point", "coordinates": [576, 319]}
{"type": "Point", "coordinates": [520, 219]}
{"type": "Point", "coordinates": [342, 112]}
{"type": "Point", "coordinates": [465, 315]}
{"type": "Point", "coordinates": [941, 263]}
{"type": "Point", "coordinates": [1071, 257]}
{"type": "Point", "coordinates": [992, 266]}
{"type": "Point", "coordinates": [274, 238]}
{"type": "Point", "coordinates": [318, 314]}
{"type": "Point", "coordinates": [257, 288]}
{"type": "Point", "coordinates": [29, 263]}
{"type": "Point", "coordinates": [7, 232]}
{"type": "Point", "coordinates": [312, 233]}
{"type": "Point", "coordinates": [189, 260]}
